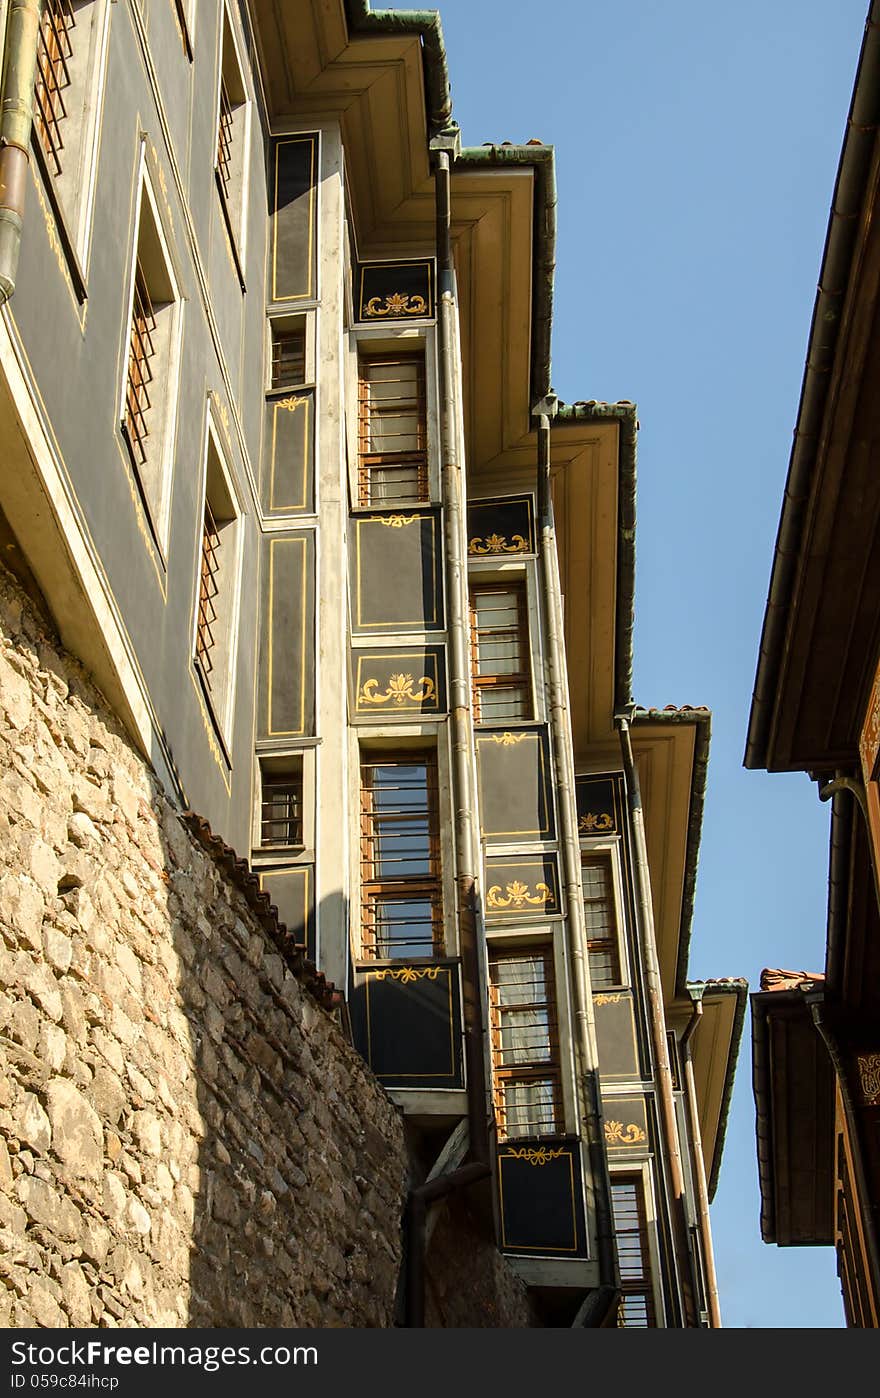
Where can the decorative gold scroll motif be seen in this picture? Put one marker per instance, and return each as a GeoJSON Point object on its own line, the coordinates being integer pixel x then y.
{"type": "Point", "coordinates": [507, 740]}
{"type": "Point", "coordinates": [543, 1156]}
{"type": "Point", "coordinates": [868, 1066]}
{"type": "Point", "coordinates": [607, 999]}
{"type": "Point", "coordinates": [396, 304]}
{"type": "Point", "coordinates": [497, 543]}
{"type": "Point", "coordinates": [400, 688]}
{"type": "Point", "coordinates": [590, 823]}
{"type": "Point", "coordinates": [616, 1134]}
{"type": "Point", "coordinates": [408, 974]}
{"type": "Point", "coordinates": [397, 521]}
{"type": "Point", "coordinates": [518, 895]}
{"type": "Point", "coordinates": [291, 404]}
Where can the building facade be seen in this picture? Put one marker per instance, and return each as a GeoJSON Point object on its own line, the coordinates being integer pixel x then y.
{"type": "Point", "coordinates": [816, 708]}
{"type": "Point", "coordinates": [284, 464]}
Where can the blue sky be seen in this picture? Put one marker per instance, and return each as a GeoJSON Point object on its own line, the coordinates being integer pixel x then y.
{"type": "Point", "coordinates": [696, 146]}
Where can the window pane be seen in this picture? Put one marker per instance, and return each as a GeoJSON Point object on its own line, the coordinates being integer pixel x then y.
{"type": "Point", "coordinates": [530, 1107]}
{"type": "Point", "coordinates": [400, 928]}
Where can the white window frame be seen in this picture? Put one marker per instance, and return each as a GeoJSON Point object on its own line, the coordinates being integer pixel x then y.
{"type": "Point", "coordinates": [524, 570]}
{"type": "Point", "coordinates": [165, 408]}
{"type": "Point", "coordinates": [643, 1168]}
{"type": "Point", "coordinates": [409, 339]}
{"type": "Point", "coordinates": [234, 206]}
{"type": "Point", "coordinates": [221, 702]}
{"type": "Point", "coordinates": [610, 849]}
{"type": "Point", "coordinates": [74, 187]}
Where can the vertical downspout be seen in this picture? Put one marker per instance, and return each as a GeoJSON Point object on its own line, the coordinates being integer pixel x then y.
{"type": "Point", "coordinates": [698, 1165]}
{"type": "Point", "coordinates": [601, 1306]}
{"type": "Point", "coordinates": [466, 852]}
{"type": "Point", "coordinates": [668, 1126]}
{"type": "Point", "coordinates": [16, 118]}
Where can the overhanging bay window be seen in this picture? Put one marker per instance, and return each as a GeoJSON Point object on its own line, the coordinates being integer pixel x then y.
{"type": "Point", "coordinates": [525, 1043]}
{"type": "Point", "coordinates": [502, 687]}
{"type": "Point", "coordinates": [392, 430]}
{"type": "Point", "coordinates": [401, 902]}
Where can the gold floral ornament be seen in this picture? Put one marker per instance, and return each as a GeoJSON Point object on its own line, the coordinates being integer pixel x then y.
{"type": "Point", "coordinates": [590, 823]}
{"type": "Point", "coordinates": [408, 975]}
{"type": "Point", "coordinates": [507, 740]}
{"type": "Point", "coordinates": [397, 521]}
{"type": "Point", "coordinates": [400, 689]}
{"type": "Point", "coordinates": [542, 1156]}
{"type": "Point", "coordinates": [616, 1134]}
{"type": "Point", "coordinates": [607, 999]}
{"type": "Point", "coordinates": [518, 895]}
{"type": "Point", "coordinates": [497, 543]}
{"type": "Point", "coordinates": [868, 1065]}
{"type": "Point", "coordinates": [291, 404]}
{"type": "Point", "coordinates": [396, 304]}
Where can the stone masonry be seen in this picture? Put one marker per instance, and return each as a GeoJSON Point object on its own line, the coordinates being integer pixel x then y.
{"type": "Point", "coordinates": [185, 1136]}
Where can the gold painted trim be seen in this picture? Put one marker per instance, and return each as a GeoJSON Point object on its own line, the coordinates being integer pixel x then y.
{"type": "Point", "coordinates": [542, 1156]}
{"type": "Point", "coordinates": [426, 262]}
{"type": "Point", "coordinates": [271, 732]}
{"type": "Point", "coordinates": [427, 660]}
{"type": "Point", "coordinates": [616, 1134]}
{"type": "Point", "coordinates": [400, 688]}
{"type": "Point", "coordinates": [397, 522]}
{"type": "Point", "coordinates": [497, 543]}
{"type": "Point", "coordinates": [292, 869]}
{"type": "Point", "coordinates": [397, 973]}
{"type": "Point", "coordinates": [289, 405]}
{"type": "Point", "coordinates": [609, 999]}
{"type": "Point", "coordinates": [518, 895]}
{"type": "Point", "coordinates": [396, 304]}
{"type": "Point", "coordinates": [507, 740]}
{"type": "Point", "coordinates": [545, 1248]}
{"type": "Point", "coordinates": [868, 1068]}
{"type": "Point", "coordinates": [307, 295]}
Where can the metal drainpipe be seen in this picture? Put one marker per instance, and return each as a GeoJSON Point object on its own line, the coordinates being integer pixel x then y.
{"type": "Point", "coordinates": [698, 1165]}
{"type": "Point", "coordinates": [601, 1306]}
{"type": "Point", "coordinates": [857, 790]}
{"type": "Point", "coordinates": [816, 1002]}
{"type": "Point", "coordinates": [654, 991]}
{"type": "Point", "coordinates": [16, 118]}
{"type": "Point", "coordinates": [467, 856]}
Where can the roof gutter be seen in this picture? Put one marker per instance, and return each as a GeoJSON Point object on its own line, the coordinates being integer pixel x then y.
{"type": "Point", "coordinates": [16, 118]}
{"type": "Point", "coordinates": [843, 232]}
{"type": "Point", "coordinates": [541, 160]}
{"type": "Point", "coordinates": [424, 25]}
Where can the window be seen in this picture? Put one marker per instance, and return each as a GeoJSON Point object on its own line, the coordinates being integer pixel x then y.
{"type": "Point", "coordinates": [232, 138]}
{"type": "Point", "coordinates": [288, 368]}
{"type": "Point", "coordinates": [525, 1059]}
{"type": "Point", "coordinates": [401, 904]}
{"type": "Point", "coordinates": [71, 48]}
{"type": "Point", "coordinates": [392, 430]}
{"type": "Point", "coordinates": [600, 911]}
{"type": "Point", "coordinates": [218, 586]}
{"type": "Point", "coordinates": [149, 395]}
{"type": "Point", "coordinates": [502, 685]}
{"type": "Point", "coordinates": [281, 804]}
{"type": "Point", "coordinates": [633, 1253]}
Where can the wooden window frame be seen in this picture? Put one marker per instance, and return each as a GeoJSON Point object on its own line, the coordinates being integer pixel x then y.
{"type": "Point", "coordinates": [642, 1286]}
{"type": "Point", "coordinates": [370, 462]}
{"type": "Point", "coordinates": [376, 889]}
{"type": "Point", "coordinates": [217, 601]}
{"type": "Point", "coordinates": [141, 358]}
{"type": "Point", "coordinates": [284, 777]}
{"type": "Point", "coordinates": [615, 944]}
{"type": "Point", "coordinates": [547, 1069]}
{"type": "Point", "coordinates": [521, 680]}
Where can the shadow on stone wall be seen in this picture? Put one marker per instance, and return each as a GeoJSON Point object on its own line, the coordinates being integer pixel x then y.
{"type": "Point", "coordinates": [185, 1137]}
